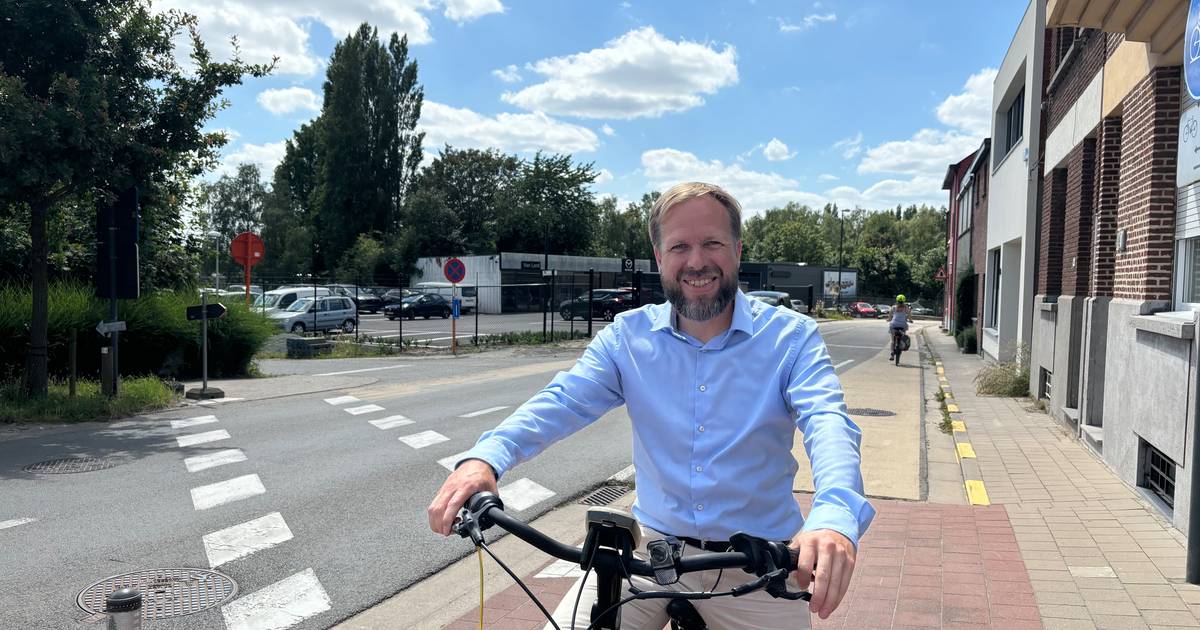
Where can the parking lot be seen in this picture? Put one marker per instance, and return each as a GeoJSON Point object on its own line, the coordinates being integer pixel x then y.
{"type": "Point", "coordinates": [437, 332]}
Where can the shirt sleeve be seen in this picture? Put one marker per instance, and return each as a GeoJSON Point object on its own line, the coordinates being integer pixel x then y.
{"type": "Point", "coordinates": [831, 440]}
{"type": "Point", "coordinates": [573, 400]}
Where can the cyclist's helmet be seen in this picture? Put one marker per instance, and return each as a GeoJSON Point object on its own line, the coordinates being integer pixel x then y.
{"type": "Point", "coordinates": [900, 298]}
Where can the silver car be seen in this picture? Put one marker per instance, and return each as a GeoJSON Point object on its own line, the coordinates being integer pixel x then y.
{"type": "Point", "coordinates": [322, 313]}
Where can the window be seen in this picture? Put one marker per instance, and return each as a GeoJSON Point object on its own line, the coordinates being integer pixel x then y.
{"type": "Point", "coordinates": [994, 270]}
{"type": "Point", "coordinates": [966, 207]}
{"type": "Point", "coordinates": [1158, 474]}
{"type": "Point", "coordinates": [1014, 122]}
{"type": "Point", "coordinates": [1187, 247]}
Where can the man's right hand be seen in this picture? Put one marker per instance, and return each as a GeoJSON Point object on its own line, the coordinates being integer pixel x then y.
{"type": "Point", "coordinates": [474, 475]}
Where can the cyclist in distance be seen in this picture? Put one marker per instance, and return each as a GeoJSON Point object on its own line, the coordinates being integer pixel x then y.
{"type": "Point", "coordinates": [901, 314]}
{"type": "Point", "coordinates": [716, 385]}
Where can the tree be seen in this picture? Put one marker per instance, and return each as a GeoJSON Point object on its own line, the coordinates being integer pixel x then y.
{"type": "Point", "coordinates": [359, 262]}
{"type": "Point", "coordinates": [368, 143]}
{"type": "Point", "coordinates": [92, 102]}
{"type": "Point", "coordinates": [234, 204]}
{"type": "Point", "coordinates": [288, 216]}
{"type": "Point", "coordinates": [550, 206]}
{"type": "Point", "coordinates": [624, 234]}
{"type": "Point", "coordinates": [471, 183]}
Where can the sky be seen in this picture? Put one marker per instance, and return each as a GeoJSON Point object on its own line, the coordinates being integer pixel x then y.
{"type": "Point", "coordinates": [862, 103]}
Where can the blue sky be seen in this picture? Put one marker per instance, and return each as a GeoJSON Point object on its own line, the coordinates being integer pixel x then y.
{"type": "Point", "coordinates": [862, 103]}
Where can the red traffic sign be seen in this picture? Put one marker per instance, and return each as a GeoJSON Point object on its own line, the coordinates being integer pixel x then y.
{"type": "Point", "coordinates": [455, 270]}
{"type": "Point", "coordinates": [247, 248]}
{"type": "Point", "coordinates": [941, 274]}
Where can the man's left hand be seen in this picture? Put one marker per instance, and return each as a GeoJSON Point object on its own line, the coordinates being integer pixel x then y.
{"type": "Point", "coordinates": [826, 563]}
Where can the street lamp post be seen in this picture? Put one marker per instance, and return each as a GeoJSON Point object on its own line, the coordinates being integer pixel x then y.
{"type": "Point", "coordinates": [215, 235]}
{"type": "Point", "coordinates": [837, 296]}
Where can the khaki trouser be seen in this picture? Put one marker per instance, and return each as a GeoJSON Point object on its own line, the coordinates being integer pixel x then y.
{"type": "Point", "coordinates": [758, 610]}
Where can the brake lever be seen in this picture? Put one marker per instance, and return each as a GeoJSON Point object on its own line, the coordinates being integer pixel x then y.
{"type": "Point", "coordinates": [468, 527]}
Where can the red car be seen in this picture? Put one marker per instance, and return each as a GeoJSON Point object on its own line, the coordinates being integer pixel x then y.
{"type": "Point", "coordinates": [862, 309]}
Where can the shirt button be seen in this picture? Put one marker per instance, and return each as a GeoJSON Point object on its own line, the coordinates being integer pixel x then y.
{"type": "Point", "coordinates": [699, 507]}
{"type": "Point", "coordinates": [702, 388]}
{"type": "Point", "coordinates": [702, 428]}
{"type": "Point", "coordinates": [699, 469]}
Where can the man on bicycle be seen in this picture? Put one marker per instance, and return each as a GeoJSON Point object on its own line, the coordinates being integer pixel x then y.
{"type": "Point", "coordinates": [716, 386]}
{"type": "Point", "coordinates": [901, 314]}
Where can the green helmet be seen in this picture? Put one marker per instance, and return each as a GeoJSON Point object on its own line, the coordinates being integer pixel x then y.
{"type": "Point", "coordinates": [900, 298]}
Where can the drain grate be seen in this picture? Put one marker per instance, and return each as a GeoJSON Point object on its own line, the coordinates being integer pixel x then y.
{"type": "Point", "coordinates": [605, 495]}
{"type": "Point", "coordinates": [65, 465]}
{"type": "Point", "coordinates": [867, 411]}
{"type": "Point", "coordinates": [165, 592]}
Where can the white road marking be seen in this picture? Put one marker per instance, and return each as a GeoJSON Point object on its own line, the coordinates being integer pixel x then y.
{"type": "Point", "coordinates": [449, 462]}
{"type": "Point", "coordinates": [386, 367]}
{"type": "Point", "coordinates": [445, 338]}
{"type": "Point", "coordinates": [242, 540]}
{"type": "Point", "coordinates": [15, 522]}
{"type": "Point", "coordinates": [340, 400]}
{"type": "Point", "coordinates": [279, 605]}
{"type": "Point", "coordinates": [842, 364]}
{"type": "Point", "coordinates": [217, 401]}
{"type": "Point", "coordinates": [202, 438]}
{"type": "Point", "coordinates": [424, 438]}
{"type": "Point", "coordinates": [483, 411]}
{"type": "Point", "coordinates": [523, 493]}
{"type": "Point", "coordinates": [407, 334]}
{"type": "Point", "coordinates": [560, 569]}
{"type": "Point", "coordinates": [358, 411]}
{"type": "Point", "coordinates": [191, 422]}
{"type": "Point", "coordinates": [212, 460]}
{"type": "Point", "coordinates": [841, 345]}
{"type": "Point", "coordinates": [391, 422]}
{"type": "Point", "coordinates": [222, 492]}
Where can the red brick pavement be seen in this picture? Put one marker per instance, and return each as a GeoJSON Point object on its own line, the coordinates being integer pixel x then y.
{"type": "Point", "coordinates": [920, 565]}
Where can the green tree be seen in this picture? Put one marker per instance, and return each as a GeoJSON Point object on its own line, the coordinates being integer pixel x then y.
{"type": "Point", "coordinates": [359, 262]}
{"type": "Point", "coordinates": [93, 101]}
{"type": "Point", "coordinates": [549, 205]}
{"type": "Point", "coordinates": [368, 143]}
{"type": "Point", "coordinates": [234, 203]}
{"type": "Point", "coordinates": [288, 216]}
{"type": "Point", "coordinates": [471, 183]}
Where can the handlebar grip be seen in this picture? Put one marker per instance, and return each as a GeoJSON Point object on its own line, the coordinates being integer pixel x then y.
{"type": "Point", "coordinates": [793, 559]}
{"type": "Point", "coordinates": [481, 501]}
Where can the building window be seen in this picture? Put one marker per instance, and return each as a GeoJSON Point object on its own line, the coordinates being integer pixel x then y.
{"type": "Point", "coordinates": [1187, 260]}
{"type": "Point", "coordinates": [994, 306]}
{"type": "Point", "coordinates": [1014, 122]}
{"type": "Point", "coordinates": [1157, 474]}
{"type": "Point", "coordinates": [1045, 386]}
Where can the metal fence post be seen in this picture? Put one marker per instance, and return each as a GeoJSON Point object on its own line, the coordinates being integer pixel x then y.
{"type": "Point", "coordinates": [591, 286]}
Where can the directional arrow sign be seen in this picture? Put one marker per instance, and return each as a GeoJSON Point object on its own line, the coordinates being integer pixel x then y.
{"type": "Point", "coordinates": [106, 327]}
{"type": "Point", "coordinates": [215, 311]}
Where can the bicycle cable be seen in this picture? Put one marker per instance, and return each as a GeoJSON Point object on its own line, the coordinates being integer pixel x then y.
{"type": "Point", "coordinates": [483, 545]}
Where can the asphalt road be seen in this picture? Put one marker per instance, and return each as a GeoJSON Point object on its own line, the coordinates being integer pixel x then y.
{"type": "Point", "coordinates": [350, 493]}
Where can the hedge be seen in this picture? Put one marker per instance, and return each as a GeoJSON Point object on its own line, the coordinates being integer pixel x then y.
{"type": "Point", "coordinates": [158, 341]}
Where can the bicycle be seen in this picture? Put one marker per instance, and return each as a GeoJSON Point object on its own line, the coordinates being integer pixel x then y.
{"type": "Point", "coordinates": [900, 343]}
{"type": "Point", "coordinates": [612, 535]}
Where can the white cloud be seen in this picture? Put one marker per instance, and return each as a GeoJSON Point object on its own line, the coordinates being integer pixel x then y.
{"type": "Point", "coordinates": [288, 100]}
{"type": "Point", "coordinates": [826, 177]}
{"type": "Point", "coordinates": [640, 74]}
{"type": "Point", "coordinates": [603, 177]}
{"type": "Point", "coordinates": [849, 147]}
{"type": "Point", "coordinates": [463, 128]}
{"type": "Point", "coordinates": [971, 109]}
{"type": "Point", "coordinates": [890, 192]}
{"type": "Point", "coordinates": [507, 74]}
{"type": "Point", "coordinates": [777, 150]}
{"type": "Point", "coordinates": [755, 190]}
{"type": "Point", "coordinates": [266, 156]}
{"type": "Point", "coordinates": [466, 10]}
{"type": "Point", "coordinates": [926, 153]}
{"type": "Point", "coordinates": [608, 131]}
{"type": "Point", "coordinates": [809, 21]}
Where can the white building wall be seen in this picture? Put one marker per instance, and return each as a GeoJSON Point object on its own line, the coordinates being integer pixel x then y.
{"type": "Point", "coordinates": [482, 271]}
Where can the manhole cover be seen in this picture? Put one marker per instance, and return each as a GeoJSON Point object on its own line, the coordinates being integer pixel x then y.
{"type": "Point", "coordinates": [867, 411]}
{"type": "Point", "coordinates": [605, 495]}
{"type": "Point", "coordinates": [165, 592]}
{"type": "Point", "coordinates": [64, 465]}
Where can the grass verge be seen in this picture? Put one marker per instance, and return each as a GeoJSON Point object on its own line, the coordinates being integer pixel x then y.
{"type": "Point", "coordinates": [137, 395]}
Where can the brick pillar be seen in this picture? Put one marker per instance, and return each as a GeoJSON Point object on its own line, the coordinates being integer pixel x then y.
{"type": "Point", "coordinates": [1146, 199]}
{"type": "Point", "coordinates": [1077, 221]}
{"type": "Point", "coordinates": [1108, 175]}
{"type": "Point", "coordinates": [1050, 258]}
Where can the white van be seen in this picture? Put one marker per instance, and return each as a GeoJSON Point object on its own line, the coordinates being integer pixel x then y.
{"type": "Point", "coordinates": [466, 292]}
{"type": "Point", "coordinates": [281, 299]}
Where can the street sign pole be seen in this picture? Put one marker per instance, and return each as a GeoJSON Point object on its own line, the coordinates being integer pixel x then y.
{"type": "Point", "coordinates": [454, 320]}
{"type": "Point", "coordinates": [205, 392]}
{"type": "Point", "coordinates": [204, 339]}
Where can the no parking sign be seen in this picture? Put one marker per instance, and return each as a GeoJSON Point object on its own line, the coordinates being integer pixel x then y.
{"type": "Point", "coordinates": [455, 270]}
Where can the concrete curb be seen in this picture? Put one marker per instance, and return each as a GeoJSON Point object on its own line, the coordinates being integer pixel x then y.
{"type": "Point", "coordinates": [965, 452]}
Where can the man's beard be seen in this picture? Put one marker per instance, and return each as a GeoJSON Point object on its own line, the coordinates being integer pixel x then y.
{"type": "Point", "coordinates": [702, 309]}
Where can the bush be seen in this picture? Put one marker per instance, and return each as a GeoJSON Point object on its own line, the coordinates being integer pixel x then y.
{"type": "Point", "coordinates": [159, 340]}
{"type": "Point", "coordinates": [1008, 378]}
{"type": "Point", "coordinates": [967, 340]}
{"type": "Point", "coordinates": [137, 395]}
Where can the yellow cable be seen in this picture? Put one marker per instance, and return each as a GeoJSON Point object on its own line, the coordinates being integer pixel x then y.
{"type": "Point", "coordinates": [479, 552]}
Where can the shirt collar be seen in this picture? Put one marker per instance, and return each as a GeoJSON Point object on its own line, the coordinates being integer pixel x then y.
{"type": "Point", "coordinates": [743, 315]}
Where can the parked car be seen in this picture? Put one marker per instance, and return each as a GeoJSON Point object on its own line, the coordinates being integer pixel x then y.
{"type": "Point", "coordinates": [280, 299]}
{"type": "Point", "coordinates": [317, 314]}
{"type": "Point", "coordinates": [606, 303]}
{"type": "Point", "coordinates": [884, 310]}
{"type": "Point", "coordinates": [395, 296]}
{"type": "Point", "coordinates": [421, 305]}
{"type": "Point", "coordinates": [918, 309]}
{"type": "Point", "coordinates": [369, 302]}
{"type": "Point", "coordinates": [467, 293]}
{"type": "Point", "coordinates": [775, 298]}
{"type": "Point", "coordinates": [650, 295]}
{"type": "Point", "coordinates": [863, 309]}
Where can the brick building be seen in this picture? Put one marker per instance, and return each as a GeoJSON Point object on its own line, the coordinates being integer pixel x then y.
{"type": "Point", "coordinates": [966, 236]}
{"type": "Point", "coordinates": [1113, 349]}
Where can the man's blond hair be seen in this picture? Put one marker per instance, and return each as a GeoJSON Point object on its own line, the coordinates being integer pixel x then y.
{"type": "Point", "coordinates": [680, 193]}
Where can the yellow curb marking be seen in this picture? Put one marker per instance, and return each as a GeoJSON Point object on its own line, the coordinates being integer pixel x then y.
{"type": "Point", "coordinates": [976, 493]}
{"type": "Point", "coordinates": [952, 408]}
{"type": "Point", "coordinates": [958, 425]}
{"type": "Point", "coordinates": [940, 371]}
{"type": "Point", "coordinates": [966, 451]}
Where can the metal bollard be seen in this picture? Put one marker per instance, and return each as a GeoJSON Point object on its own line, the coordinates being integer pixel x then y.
{"type": "Point", "coordinates": [124, 609]}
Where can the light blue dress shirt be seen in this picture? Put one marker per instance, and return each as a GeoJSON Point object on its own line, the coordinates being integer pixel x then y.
{"type": "Point", "coordinates": [713, 423]}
